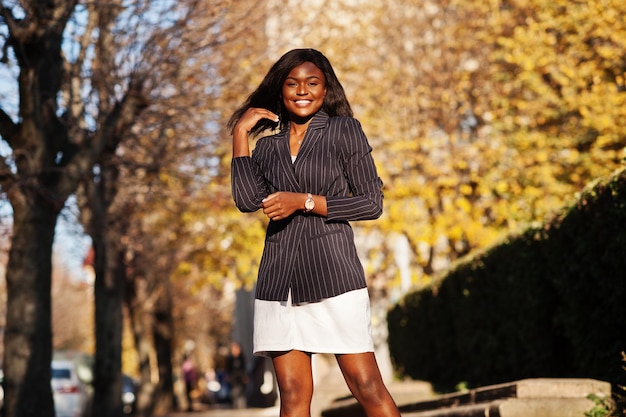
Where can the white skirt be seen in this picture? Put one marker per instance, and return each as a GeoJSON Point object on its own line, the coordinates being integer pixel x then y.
{"type": "Point", "coordinates": [340, 324]}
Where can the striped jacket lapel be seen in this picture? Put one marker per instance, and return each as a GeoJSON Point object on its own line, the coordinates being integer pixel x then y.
{"type": "Point", "coordinates": [283, 154]}
{"type": "Point", "coordinates": [313, 134]}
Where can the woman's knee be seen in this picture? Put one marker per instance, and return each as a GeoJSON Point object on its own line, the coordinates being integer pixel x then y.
{"type": "Point", "coordinates": [295, 396]}
{"type": "Point", "coordinates": [363, 377]}
{"type": "Point", "coordinates": [368, 388]}
{"type": "Point", "coordinates": [294, 387]}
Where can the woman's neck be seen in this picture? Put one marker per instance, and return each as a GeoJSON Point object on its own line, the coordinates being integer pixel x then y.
{"type": "Point", "coordinates": [298, 127]}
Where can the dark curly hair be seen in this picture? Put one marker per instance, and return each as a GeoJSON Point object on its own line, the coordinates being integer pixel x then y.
{"type": "Point", "coordinates": [268, 94]}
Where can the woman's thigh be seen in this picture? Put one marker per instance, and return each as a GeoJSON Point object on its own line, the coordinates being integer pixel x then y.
{"type": "Point", "coordinates": [294, 374]}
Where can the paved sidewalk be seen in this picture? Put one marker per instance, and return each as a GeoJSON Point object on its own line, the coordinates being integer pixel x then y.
{"type": "Point", "coordinates": [329, 386]}
{"type": "Point", "coordinates": [246, 412]}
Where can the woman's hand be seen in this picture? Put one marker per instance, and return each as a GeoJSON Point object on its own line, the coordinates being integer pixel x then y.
{"type": "Point", "coordinates": [251, 117]}
{"type": "Point", "coordinates": [280, 205]}
{"type": "Point", "coordinates": [243, 127]}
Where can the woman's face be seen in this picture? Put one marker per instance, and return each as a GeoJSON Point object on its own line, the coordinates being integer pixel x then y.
{"type": "Point", "coordinates": [303, 91]}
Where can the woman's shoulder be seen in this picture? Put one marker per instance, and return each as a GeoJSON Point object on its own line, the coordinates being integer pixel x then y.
{"type": "Point", "coordinates": [344, 123]}
{"type": "Point", "coordinates": [268, 138]}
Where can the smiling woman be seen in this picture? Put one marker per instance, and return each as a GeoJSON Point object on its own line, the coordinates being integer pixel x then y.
{"type": "Point", "coordinates": [310, 179]}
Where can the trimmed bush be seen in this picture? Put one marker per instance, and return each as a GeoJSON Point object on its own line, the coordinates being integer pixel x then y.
{"type": "Point", "coordinates": [550, 302]}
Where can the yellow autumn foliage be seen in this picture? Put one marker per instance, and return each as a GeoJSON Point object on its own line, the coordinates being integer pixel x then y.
{"type": "Point", "coordinates": [484, 117]}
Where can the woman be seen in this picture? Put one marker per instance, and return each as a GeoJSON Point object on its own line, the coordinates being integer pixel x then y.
{"type": "Point", "coordinates": [310, 179]}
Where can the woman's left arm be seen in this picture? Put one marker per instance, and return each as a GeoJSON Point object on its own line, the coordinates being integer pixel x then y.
{"type": "Point", "coordinates": [366, 196]}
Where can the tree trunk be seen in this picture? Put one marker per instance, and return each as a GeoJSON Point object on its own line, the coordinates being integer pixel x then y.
{"type": "Point", "coordinates": [149, 304]}
{"type": "Point", "coordinates": [140, 320]}
{"type": "Point", "coordinates": [28, 333]}
{"type": "Point", "coordinates": [106, 231]}
{"type": "Point", "coordinates": [108, 292]}
{"type": "Point", "coordinates": [163, 336]}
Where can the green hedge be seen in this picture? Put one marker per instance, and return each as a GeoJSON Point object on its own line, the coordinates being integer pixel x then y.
{"type": "Point", "coordinates": [550, 302]}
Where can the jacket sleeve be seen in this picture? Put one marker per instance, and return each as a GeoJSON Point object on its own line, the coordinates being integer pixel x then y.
{"type": "Point", "coordinates": [247, 184]}
{"type": "Point", "coordinates": [365, 201]}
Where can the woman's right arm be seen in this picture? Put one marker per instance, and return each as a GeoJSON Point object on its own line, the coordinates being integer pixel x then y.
{"type": "Point", "coordinates": [247, 183]}
{"type": "Point", "coordinates": [242, 129]}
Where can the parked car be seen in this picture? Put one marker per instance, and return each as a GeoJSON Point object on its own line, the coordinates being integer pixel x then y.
{"type": "Point", "coordinates": [71, 384]}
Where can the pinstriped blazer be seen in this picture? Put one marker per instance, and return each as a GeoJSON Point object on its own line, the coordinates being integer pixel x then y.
{"type": "Point", "coordinates": [313, 256]}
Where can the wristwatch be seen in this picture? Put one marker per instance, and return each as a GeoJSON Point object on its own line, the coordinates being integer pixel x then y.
{"type": "Point", "coordinates": [309, 204]}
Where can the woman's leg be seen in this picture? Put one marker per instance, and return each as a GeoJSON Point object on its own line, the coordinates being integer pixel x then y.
{"type": "Point", "coordinates": [295, 382]}
{"type": "Point", "coordinates": [366, 384]}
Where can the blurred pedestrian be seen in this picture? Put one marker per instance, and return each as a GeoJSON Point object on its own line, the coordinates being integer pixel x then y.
{"type": "Point", "coordinates": [237, 376]}
{"type": "Point", "coordinates": [190, 379]}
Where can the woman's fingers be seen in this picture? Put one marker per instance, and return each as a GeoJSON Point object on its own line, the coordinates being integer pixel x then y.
{"type": "Point", "coordinates": [252, 116]}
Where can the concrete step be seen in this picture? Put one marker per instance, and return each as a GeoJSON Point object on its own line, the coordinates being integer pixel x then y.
{"type": "Point", "coordinates": [564, 407]}
{"type": "Point", "coordinates": [544, 397]}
